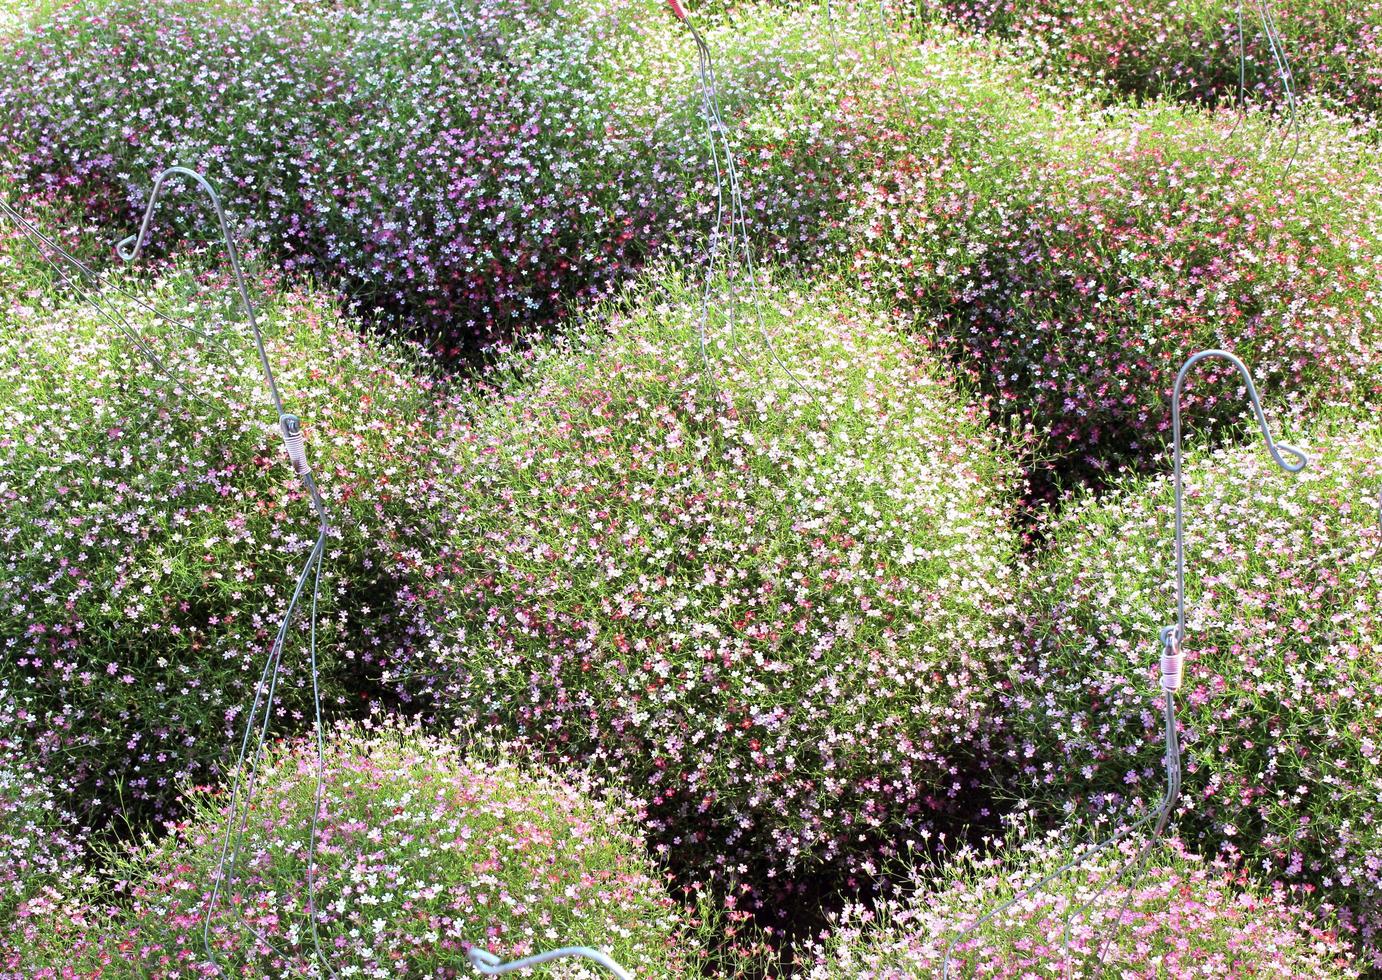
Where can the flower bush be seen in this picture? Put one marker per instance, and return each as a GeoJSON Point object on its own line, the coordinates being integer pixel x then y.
{"type": "Point", "coordinates": [767, 601]}
{"type": "Point", "coordinates": [1071, 260]}
{"type": "Point", "coordinates": [460, 172]}
{"type": "Point", "coordinates": [1183, 918]}
{"type": "Point", "coordinates": [809, 102]}
{"type": "Point", "coordinates": [422, 853]}
{"type": "Point", "coordinates": [152, 528]}
{"type": "Point", "coordinates": [25, 264]}
{"type": "Point", "coordinates": [475, 176]}
{"type": "Point", "coordinates": [1190, 48]}
{"type": "Point", "coordinates": [1281, 734]}
{"type": "Point", "coordinates": [40, 851]}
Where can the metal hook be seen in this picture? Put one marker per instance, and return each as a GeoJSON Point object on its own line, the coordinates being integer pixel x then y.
{"type": "Point", "coordinates": [1171, 639]}
{"type": "Point", "coordinates": [1274, 448]}
{"type": "Point", "coordinates": [492, 966]}
{"type": "Point", "coordinates": [129, 249]}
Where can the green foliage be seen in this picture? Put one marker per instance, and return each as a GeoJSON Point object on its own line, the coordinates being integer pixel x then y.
{"type": "Point", "coordinates": [1180, 918]}
{"type": "Point", "coordinates": [422, 852]}
{"type": "Point", "coordinates": [152, 527]}
{"type": "Point", "coordinates": [1283, 749]}
{"type": "Point", "coordinates": [766, 593]}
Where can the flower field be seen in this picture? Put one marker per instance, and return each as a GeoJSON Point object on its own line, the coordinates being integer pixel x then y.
{"type": "Point", "coordinates": [742, 439]}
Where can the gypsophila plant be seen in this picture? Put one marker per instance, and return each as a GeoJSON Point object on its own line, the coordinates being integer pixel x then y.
{"type": "Point", "coordinates": [770, 603]}
{"type": "Point", "coordinates": [463, 175]}
{"type": "Point", "coordinates": [1190, 48]}
{"type": "Point", "coordinates": [470, 175]}
{"type": "Point", "coordinates": [1184, 918]}
{"type": "Point", "coordinates": [1281, 731]}
{"type": "Point", "coordinates": [40, 846]}
{"type": "Point", "coordinates": [1071, 260]}
{"type": "Point", "coordinates": [423, 852]}
{"type": "Point", "coordinates": [809, 103]}
{"type": "Point", "coordinates": [152, 528]}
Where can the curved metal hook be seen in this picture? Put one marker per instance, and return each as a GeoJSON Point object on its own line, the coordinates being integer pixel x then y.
{"type": "Point", "coordinates": [129, 249]}
{"type": "Point", "coordinates": [1172, 637]}
{"type": "Point", "coordinates": [1273, 447]}
{"type": "Point", "coordinates": [492, 966]}
{"type": "Point", "coordinates": [1171, 663]}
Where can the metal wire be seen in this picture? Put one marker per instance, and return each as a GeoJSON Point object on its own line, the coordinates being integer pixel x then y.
{"type": "Point", "coordinates": [46, 245]}
{"type": "Point", "coordinates": [1288, 77]}
{"type": "Point", "coordinates": [726, 177]}
{"type": "Point", "coordinates": [888, 41]}
{"type": "Point", "coordinates": [460, 25]}
{"type": "Point", "coordinates": [1173, 637]}
{"type": "Point", "coordinates": [1172, 662]}
{"type": "Point", "coordinates": [129, 250]}
{"type": "Point", "coordinates": [492, 966]}
{"type": "Point", "coordinates": [1277, 47]}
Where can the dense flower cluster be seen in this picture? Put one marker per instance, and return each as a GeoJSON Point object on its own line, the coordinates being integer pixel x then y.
{"type": "Point", "coordinates": [1190, 48]}
{"type": "Point", "coordinates": [811, 106]}
{"type": "Point", "coordinates": [766, 599]}
{"type": "Point", "coordinates": [385, 142]}
{"type": "Point", "coordinates": [474, 175]}
{"type": "Point", "coordinates": [1282, 731]}
{"type": "Point", "coordinates": [1072, 260]}
{"type": "Point", "coordinates": [1182, 919]}
{"type": "Point", "coordinates": [151, 529]}
{"type": "Point", "coordinates": [422, 853]}
{"type": "Point", "coordinates": [40, 854]}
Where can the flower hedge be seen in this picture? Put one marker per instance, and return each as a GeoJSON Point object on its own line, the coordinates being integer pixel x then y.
{"type": "Point", "coordinates": [1189, 49]}
{"type": "Point", "coordinates": [1183, 918]}
{"type": "Point", "coordinates": [766, 601]}
{"type": "Point", "coordinates": [152, 528]}
{"type": "Point", "coordinates": [809, 103]}
{"type": "Point", "coordinates": [1282, 736]}
{"type": "Point", "coordinates": [463, 172]}
{"type": "Point", "coordinates": [1071, 260]}
{"type": "Point", "coordinates": [474, 175]}
{"type": "Point", "coordinates": [422, 853]}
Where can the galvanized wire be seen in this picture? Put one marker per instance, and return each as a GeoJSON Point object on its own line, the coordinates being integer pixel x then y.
{"type": "Point", "coordinates": [1277, 46]}
{"type": "Point", "coordinates": [290, 427]}
{"type": "Point", "coordinates": [492, 966]}
{"type": "Point", "coordinates": [726, 178]}
{"type": "Point", "coordinates": [72, 272]}
{"type": "Point", "coordinates": [1172, 662]}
